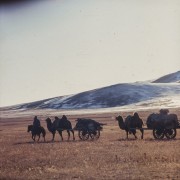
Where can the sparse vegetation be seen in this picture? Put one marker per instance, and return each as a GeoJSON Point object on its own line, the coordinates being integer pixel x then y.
{"type": "Point", "coordinates": [110, 157]}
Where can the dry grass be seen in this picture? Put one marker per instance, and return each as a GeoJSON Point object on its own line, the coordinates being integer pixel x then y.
{"type": "Point", "coordinates": [110, 157]}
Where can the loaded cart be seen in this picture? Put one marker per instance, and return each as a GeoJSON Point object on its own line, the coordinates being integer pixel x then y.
{"type": "Point", "coordinates": [163, 124]}
{"type": "Point", "coordinates": [88, 128]}
{"type": "Point", "coordinates": [168, 132]}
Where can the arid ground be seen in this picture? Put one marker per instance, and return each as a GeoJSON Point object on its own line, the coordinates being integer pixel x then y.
{"type": "Point", "coordinates": [112, 156]}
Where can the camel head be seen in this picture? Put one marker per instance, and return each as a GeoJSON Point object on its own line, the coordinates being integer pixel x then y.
{"type": "Point", "coordinates": [119, 118]}
{"type": "Point", "coordinates": [120, 122]}
{"type": "Point", "coordinates": [48, 120]}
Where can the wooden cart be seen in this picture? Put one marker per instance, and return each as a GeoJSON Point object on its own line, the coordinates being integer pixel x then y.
{"type": "Point", "coordinates": [88, 128]}
{"type": "Point", "coordinates": [161, 132]}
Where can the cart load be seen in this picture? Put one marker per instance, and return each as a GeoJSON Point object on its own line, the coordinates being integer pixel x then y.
{"type": "Point", "coordinates": [88, 128]}
{"type": "Point", "coordinates": [163, 124]}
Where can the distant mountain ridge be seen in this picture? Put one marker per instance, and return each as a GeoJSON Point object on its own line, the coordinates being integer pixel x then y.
{"type": "Point", "coordinates": [170, 78]}
{"type": "Point", "coordinates": [111, 96]}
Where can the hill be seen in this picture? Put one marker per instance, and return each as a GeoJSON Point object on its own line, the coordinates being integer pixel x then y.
{"type": "Point", "coordinates": [112, 96]}
{"type": "Point", "coordinates": [118, 95]}
{"type": "Point", "coordinates": [170, 78]}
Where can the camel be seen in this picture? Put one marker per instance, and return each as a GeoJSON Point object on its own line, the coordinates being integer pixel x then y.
{"type": "Point", "coordinates": [130, 124]}
{"type": "Point", "coordinates": [38, 131]}
{"type": "Point", "coordinates": [60, 125]}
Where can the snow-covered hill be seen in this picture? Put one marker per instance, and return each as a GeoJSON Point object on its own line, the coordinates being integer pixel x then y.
{"type": "Point", "coordinates": [170, 78]}
{"type": "Point", "coordinates": [119, 95]}
{"type": "Point", "coordinates": [112, 96]}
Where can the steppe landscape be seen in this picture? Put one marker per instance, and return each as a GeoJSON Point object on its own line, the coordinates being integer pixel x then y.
{"type": "Point", "coordinates": [112, 156]}
{"type": "Point", "coordinates": [95, 60]}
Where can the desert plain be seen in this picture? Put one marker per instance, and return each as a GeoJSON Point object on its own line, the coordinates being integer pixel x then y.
{"type": "Point", "coordinates": [112, 156]}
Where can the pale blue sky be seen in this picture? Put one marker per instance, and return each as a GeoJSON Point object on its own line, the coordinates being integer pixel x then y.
{"type": "Point", "coordinates": [54, 48]}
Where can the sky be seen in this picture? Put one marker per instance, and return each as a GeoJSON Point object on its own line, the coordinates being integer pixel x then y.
{"type": "Point", "coordinates": [63, 47]}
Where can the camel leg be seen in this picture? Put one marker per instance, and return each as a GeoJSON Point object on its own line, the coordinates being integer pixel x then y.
{"type": "Point", "coordinates": [134, 133]}
{"type": "Point", "coordinates": [44, 137]}
{"type": "Point", "coordinates": [142, 133]}
{"type": "Point", "coordinates": [126, 134]}
{"type": "Point", "coordinates": [60, 133]}
{"type": "Point", "coordinates": [33, 138]}
{"type": "Point", "coordinates": [39, 137]}
{"type": "Point", "coordinates": [68, 134]}
{"type": "Point", "coordinates": [73, 134]}
{"type": "Point", "coordinates": [53, 136]}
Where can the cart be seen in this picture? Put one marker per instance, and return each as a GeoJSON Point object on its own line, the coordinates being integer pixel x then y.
{"type": "Point", "coordinates": [169, 133]}
{"type": "Point", "coordinates": [88, 128]}
{"type": "Point", "coordinates": [162, 126]}
{"type": "Point", "coordinates": [160, 132]}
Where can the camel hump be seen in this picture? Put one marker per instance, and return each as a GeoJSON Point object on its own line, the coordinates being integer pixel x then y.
{"type": "Point", "coordinates": [128, 118]}
{"type": "Point", "coordinates": [64, 117]}
{"type": "Point", "coordinates": [136, 115]}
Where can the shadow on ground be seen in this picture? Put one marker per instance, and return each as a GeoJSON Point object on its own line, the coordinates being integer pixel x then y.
{"type": "Point", "coordinates": [149, 139]}
{"type": "Point", "coordinates": [52, 142]}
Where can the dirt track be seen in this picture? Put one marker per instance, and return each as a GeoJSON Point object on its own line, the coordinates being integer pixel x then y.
{"type": "Point", "coordinates": [110, 157]}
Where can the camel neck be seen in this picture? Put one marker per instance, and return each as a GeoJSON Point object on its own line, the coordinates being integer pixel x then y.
{"type": "Point", "coordinates": [49, 125]}
{"type": "Point", "coordinates": [121, 124]}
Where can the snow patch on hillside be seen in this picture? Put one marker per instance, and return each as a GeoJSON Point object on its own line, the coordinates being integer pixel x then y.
{"type": "Point", "coordinates": [157, 103]}
{"type": "Point", "coordinates": [120, 95]}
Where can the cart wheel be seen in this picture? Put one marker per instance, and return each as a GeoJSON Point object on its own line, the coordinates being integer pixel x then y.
{"type": "Point", "coordinates": [83, 135]}
{"type": "Point", "coordinates": [170, 133]}
{"type": "Point", "coordinates": [95, 134]}
{"type": "Point", "coordinates": [158, 133]}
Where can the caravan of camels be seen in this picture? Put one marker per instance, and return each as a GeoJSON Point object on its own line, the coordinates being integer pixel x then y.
{"type": "Point", "coordinates": [163, 124]}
